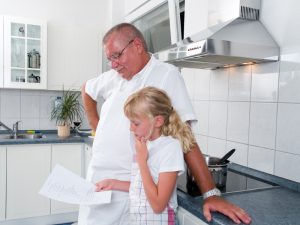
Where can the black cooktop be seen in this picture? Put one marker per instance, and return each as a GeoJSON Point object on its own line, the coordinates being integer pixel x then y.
{"type": "Point", "coordinates": [235, 182]}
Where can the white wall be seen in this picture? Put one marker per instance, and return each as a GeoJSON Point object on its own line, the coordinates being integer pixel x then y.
{"type": "Point", "coordinates": [254, 109]}
{"type": "Point", "coordinates": [75, 30]}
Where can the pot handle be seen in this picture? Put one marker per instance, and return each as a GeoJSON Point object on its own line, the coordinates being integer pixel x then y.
{"type": "Point", "coordinates": [226, 156]}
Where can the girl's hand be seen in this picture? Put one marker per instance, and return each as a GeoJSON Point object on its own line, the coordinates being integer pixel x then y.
{"type": "Point", "coordinates": [105, 185]}
{"type": "Point", "coordinates": [141, 150]}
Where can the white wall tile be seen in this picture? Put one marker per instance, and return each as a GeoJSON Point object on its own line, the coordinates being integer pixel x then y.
{"type": "Point", "coordinates": [289, 79]}
{"type": "Point", "coordinates": [10, 105]}
{"type": "Point", "coordinates": [238, 121]}
{"type": "Point", "coordinates": [239, 83]}
{"type": "Point", "coordinates": [287, 166]}
{"type": "Point", "coordinates": [202, 143]}
{"type": "Point", "coordinates": [46, 105]}
{"type": "Point", "coordinates": [217, 119]}
{"type": "Point", "coordinates": [263, 124]}
{"type": "Point", "coordinates": [30, 106]}
{"type": "Point", "coordinates": [261, 159]}
{"type": "Point", "coordinates": [30, 124]}
{"type": "Point", "coordinates": [202, 79]}
{"type": "Point", "coordinates": [189, 79]}
{"type": "Point", "coordinates": [265, 82]}
{"type": "Point", "coordinates": [216, 147]}
{"type": "Point", "coordinates": [240, 156]}
{"type": "Point", "coordinates": [288, 128]}
{"type": "Point", "coordinates": [201, 110]}
{"type": "Point", "coordinates": [219, 84]}
{"type": "Point", "coordinates": [29, 92]}
{"type": "Point", "coordinates": [46, 124]}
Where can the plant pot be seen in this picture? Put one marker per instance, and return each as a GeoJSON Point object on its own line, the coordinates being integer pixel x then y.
{"type": "Point", "coordinates": [63, 131]}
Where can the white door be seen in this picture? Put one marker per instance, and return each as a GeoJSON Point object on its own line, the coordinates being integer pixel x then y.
{"type": "Point", "coordinates": [70, 157]}
{"type": "Point", "coordinates": [28, 166]}
{"type": "Point", "coordinates": [2, 182]}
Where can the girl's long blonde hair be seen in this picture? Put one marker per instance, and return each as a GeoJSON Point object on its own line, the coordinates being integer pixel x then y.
{"type": "Point", "coordinates": [152, 102]}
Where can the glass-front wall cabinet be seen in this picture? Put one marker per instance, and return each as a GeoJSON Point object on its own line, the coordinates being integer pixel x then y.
{"type": "Point", "coordinates": [25, 53]}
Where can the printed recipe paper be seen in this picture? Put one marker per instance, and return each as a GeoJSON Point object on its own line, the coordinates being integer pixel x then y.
{"type": "Point", "coordinates": [65, 186]}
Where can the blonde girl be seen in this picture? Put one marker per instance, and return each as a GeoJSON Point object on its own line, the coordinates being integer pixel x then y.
{"type": "Point", "coordinates": [160, 140]}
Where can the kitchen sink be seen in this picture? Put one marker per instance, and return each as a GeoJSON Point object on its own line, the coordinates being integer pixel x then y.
{"type": "Point", "coordinates": [21, 136]}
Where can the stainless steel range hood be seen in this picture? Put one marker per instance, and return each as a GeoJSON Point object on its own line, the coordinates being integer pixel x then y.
{"type": "Point", "coordinates": [240, 40]}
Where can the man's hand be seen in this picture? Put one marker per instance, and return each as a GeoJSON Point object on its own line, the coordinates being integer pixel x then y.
{"type": "Point", "coordinates": [218, 204]}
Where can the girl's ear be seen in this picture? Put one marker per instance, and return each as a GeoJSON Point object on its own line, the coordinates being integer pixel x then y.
{"type": "Point", "coordinates": [159, 121]}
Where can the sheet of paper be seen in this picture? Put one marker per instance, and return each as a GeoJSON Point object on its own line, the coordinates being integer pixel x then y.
{"type": "Point", "coordinates": [65, 186]}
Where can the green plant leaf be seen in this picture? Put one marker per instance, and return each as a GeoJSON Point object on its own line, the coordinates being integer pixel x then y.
{"type": "Point", "coordinates": [70, 110]}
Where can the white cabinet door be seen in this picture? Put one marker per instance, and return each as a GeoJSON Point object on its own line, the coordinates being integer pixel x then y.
{"type": "Point", "coordinates": [25, 53]}
{"type": "Point", "coordinates": [70, 157]}
{"type": "Point", "coordinates": [28, 166]}
{"type": "Point", "coordinates": [1, 52]}
{"type": "Point", "coordinates": [195, 10]}
{"type": "Point", "coordinates": [87, 157]}
{"type": "Point", "coordinates": [186, 218]}
{"type": "Point", "coordinates": [131, 5]}
{"type": "Point", "coordinates": [2, 182]}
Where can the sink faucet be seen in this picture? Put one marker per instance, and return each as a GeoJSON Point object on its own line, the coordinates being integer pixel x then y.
{"type": "Point", "coordinates": [13, 131]}
{"type": "Point", "coordinates": [16, 128]}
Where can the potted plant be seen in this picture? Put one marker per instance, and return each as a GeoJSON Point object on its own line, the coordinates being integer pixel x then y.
{"type": "Point", "coordinates": [69, 110]}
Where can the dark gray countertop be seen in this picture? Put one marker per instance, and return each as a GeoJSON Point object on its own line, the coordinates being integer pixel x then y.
{"type": "Point", "coordinates": [271, 206]}
{"type": "Point", "coordinates": [48, 138]}
{"type": "Point", "coordinates": [268, 206]}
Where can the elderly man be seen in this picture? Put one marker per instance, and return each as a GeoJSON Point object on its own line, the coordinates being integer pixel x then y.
{"type": "Point", "coordinates": [132, 69]}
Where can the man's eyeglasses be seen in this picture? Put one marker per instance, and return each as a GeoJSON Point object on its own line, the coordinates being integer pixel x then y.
{"type": "Point", "coordinates": [114, 57]}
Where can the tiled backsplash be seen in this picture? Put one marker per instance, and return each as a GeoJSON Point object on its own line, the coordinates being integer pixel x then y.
{"type": "Point", "coordinates": [239, 108]}
{"type": "Point", "coordinates": [255, 109]}
{"type": "Point", "coordinates": [31, 107]}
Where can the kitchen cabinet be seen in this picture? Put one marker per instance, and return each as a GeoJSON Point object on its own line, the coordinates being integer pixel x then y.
{"type": "Point", "coordinates": [131, 5]}
{"type": "Point", "coordinates": [186, 218]}
{"type": "Point", "coordinates": [27, 169]}
{"type": "Point", "coordinates": [70, 157]}
{"type": "Point", "coordinates": [195, 10]}
{"type": "Point", "coordinates": [28, 166]}
{"type": "Point", "coordinates": [87, 157]}
{"type": "Point", "coordinates": [25, 53]}
{"type": "Point", "coordinates": [1, 52]}
{"type": "Point", "coordinates": [2, 182]}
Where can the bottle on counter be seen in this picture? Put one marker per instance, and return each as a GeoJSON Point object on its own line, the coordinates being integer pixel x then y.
{"type": "Point", "coordinates": [57, 102]}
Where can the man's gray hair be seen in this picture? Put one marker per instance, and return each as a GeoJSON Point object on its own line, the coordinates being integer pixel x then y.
{"type": "Point", "coordinates": [127, 30]}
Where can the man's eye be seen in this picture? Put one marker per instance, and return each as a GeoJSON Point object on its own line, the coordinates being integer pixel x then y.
{"type": "Point", "coordinates": [115, 56]}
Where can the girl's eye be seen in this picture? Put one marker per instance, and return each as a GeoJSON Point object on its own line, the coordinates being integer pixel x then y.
{"type": "Point", "coordinates": [135, 123]}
